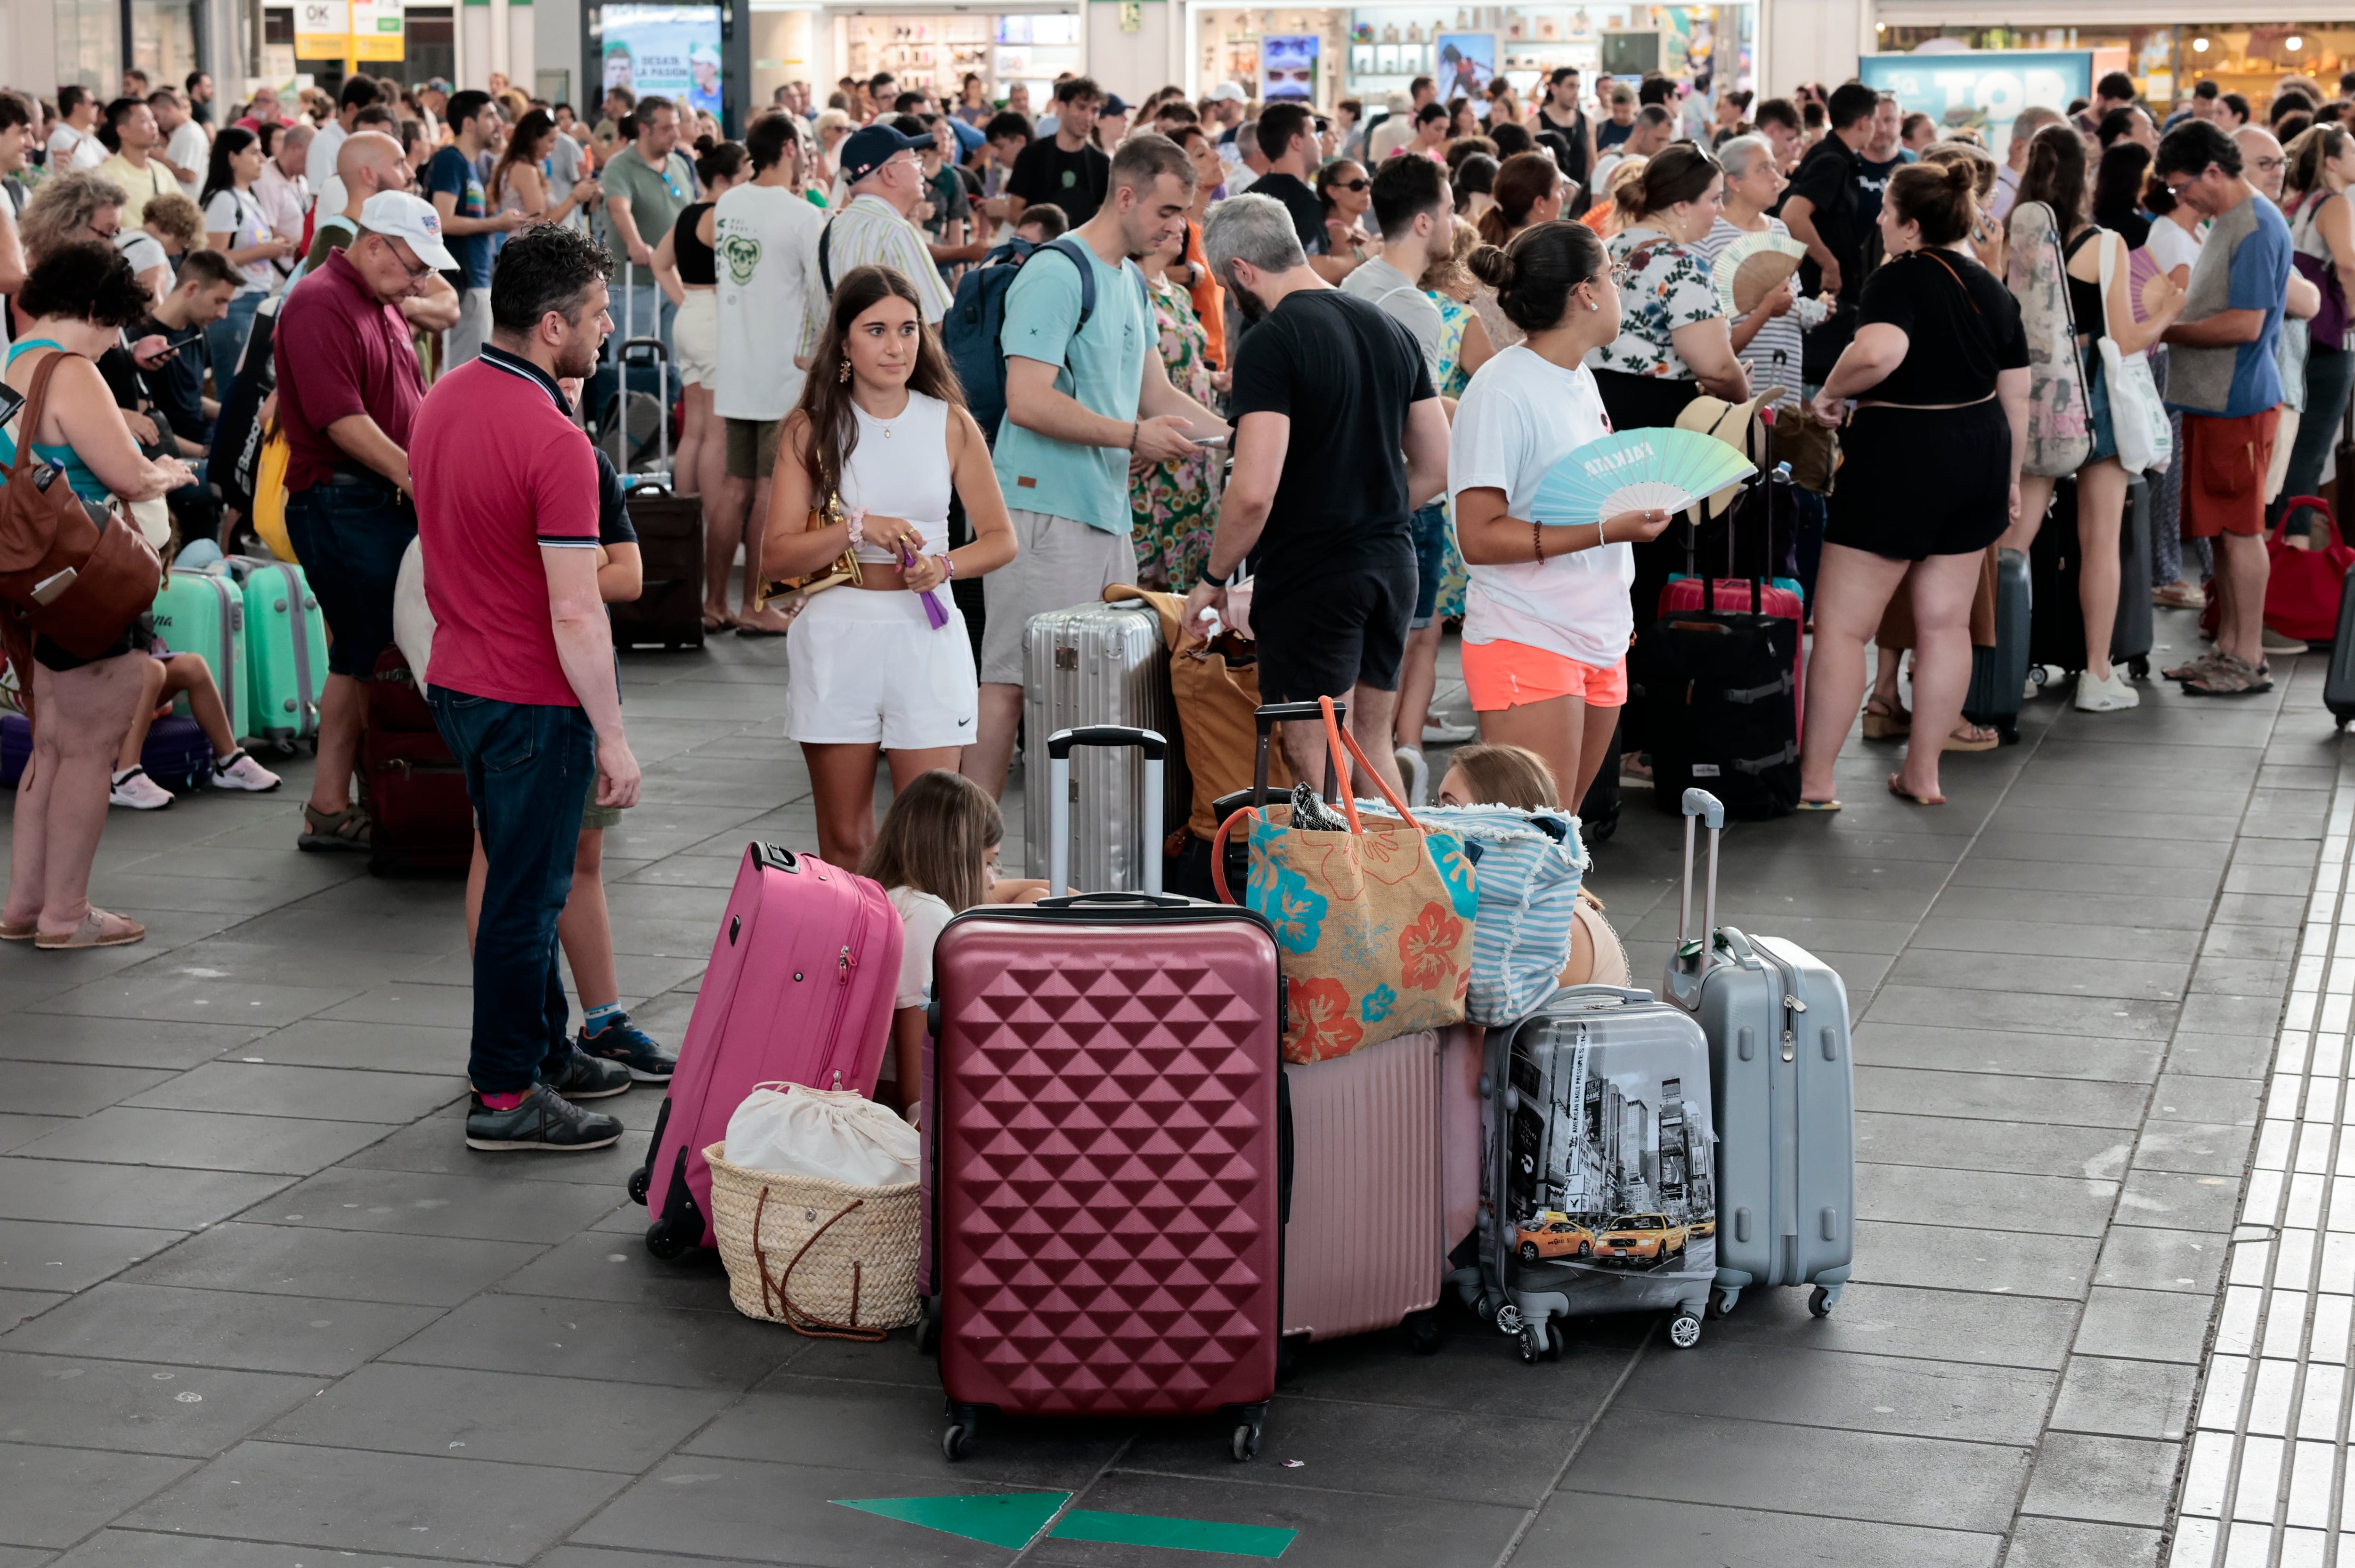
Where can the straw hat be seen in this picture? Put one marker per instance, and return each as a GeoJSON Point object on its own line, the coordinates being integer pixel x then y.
{"type": "Point", "coordinates": [1739, 426]}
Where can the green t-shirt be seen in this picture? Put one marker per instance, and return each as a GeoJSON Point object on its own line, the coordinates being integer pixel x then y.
{"type": "Point", "coordinates": [1101, 367]}
{"type": "Point", "coordinates": [655, 198]}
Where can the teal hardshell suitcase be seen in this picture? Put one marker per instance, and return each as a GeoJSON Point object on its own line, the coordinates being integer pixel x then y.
{"type": "Point", "coordinates": [204, 614]}
{"type": "Point", "coordinates": [286, 651]}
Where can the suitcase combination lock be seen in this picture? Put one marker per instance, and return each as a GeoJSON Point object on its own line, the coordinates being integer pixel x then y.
{"type": "Point", "coordinates": [1791, 1005]}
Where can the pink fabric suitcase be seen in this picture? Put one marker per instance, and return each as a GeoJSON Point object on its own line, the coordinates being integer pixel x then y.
{"type": "Point", "coordinates": [799, 991]}
{"type": "Point", "coordinates": [1365, 1246]}
{"type": "Point", "coordinates": [1108, 1152]}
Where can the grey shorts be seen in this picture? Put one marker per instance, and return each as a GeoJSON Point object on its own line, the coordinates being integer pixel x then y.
{"type": "Point", "coordinates": [593, 815]}
{"type": "Point", "coordinates": [1059, 562]}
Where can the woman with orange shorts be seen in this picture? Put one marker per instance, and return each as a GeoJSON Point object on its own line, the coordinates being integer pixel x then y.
{"type": "Point", "coordinates": [1547, 621]}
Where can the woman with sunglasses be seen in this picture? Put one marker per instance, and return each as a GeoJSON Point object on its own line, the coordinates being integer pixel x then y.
{"type": "Point", "coordinates": [1346, 193]}
{"type": "Point", "coordinates": [1547, 619]}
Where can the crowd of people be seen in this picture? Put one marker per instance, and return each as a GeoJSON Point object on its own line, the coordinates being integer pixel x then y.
{"type": "Point", "coordinates": [1333, 353]}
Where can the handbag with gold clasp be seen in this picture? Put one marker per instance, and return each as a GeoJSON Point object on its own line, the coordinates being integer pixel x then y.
{"type": "Point", "coordinates": [843, 569]}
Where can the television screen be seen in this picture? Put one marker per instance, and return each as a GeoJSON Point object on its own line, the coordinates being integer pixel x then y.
{"type": "Point", "coordinates": [672, 51]}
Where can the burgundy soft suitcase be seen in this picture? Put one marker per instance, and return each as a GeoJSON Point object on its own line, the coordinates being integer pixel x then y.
{"type": "Point", "coordinates": [1107, 1125]}
{"type": "Point", "coordinates": [1365, 1241]}
{"type": "Point", "coordinates": [799, 991]}
{"type": "Point", "coordinates": [422, 817]}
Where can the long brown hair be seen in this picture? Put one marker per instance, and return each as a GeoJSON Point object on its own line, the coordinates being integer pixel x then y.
{"type": "Point", "coordinates": [2306, 154]}
{"type": "Point", "coordinates": [1522, 181]}
{"type": "Point", "coordinates": [526, 136]}
{"type": "Point", "coordinates": [826, 394]}
{"type": "Point", "coordinates": [934, 836]}
{"type": "Point", "coordinates": [2055, 175]}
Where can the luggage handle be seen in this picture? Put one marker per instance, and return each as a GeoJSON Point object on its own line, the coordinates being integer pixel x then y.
{"type": "Point", "coordinates": [1700, 807]}
{"type": "Point", "coordinates": [1267, 716]}
{"type": "Point", "coordinates": [1758, 479]}
{"type": "Point", "coordinates": [1076, 900]}
{"type": "Point", "coordinates": [1058, 796]}
{"type": "Point", "coordinates": [1623, 993]}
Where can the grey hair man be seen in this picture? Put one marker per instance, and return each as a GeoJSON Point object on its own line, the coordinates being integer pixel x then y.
{"type": "Point", "coordinates": [2024, 127]}
{"type": "Point", "coordinates": [1323, 485]}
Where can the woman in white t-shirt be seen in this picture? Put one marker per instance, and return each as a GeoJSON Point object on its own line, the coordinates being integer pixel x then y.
{"type": "Point", "coordinates": [1548, 621]}
{"type": "Point", "coordinates": [935, 854]}
{"type": "Point", "coordinates": [236, 226]}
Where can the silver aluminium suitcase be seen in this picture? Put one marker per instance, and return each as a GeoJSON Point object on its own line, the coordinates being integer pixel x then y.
{"type": "Point", "coordinates": [1083, 668]}
{"type": "Point", "coordinates": [1597, 1169]}
{"type": "Point", "coordinates": [1782, 1077]}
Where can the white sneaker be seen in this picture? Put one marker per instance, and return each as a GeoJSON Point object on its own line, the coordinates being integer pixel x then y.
{"type": "Point", "coordinates": [2109, 697]}
{"type": "Point", "coordinates": [1417, 774]}
{"type": "Point", "coordinates": [1439, 732]}
{"type": "Point", "coordinates": [134, 788]}
{"type": "Point", "coordinates": [239, 771]}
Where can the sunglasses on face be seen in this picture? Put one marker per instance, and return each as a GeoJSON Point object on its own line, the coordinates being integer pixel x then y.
{"type": "Point", "coordinates": [1356, 185]}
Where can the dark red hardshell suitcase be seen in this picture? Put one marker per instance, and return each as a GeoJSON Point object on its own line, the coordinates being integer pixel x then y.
{"type": "Point", "coordinates": [1111, 1151]}
{"type": "Point", "coordinates": [421, 816]}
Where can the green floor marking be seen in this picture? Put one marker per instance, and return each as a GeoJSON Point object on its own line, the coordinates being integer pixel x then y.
{"type": "Point", "coordinates": [1001, 1519]}
{"type": "Point", "coordinates": [1183, 1534]}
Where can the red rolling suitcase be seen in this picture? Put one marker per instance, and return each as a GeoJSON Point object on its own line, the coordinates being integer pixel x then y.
{"type": "Point", "coordinates": [422, 819]}
{"type": "Point", "coordinates": [799, 991]}
{"type": "Point", "coordinates": [1109, 1143]}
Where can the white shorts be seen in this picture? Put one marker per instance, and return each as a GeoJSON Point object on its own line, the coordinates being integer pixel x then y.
{"type": "Point", "coordinates": [695, 337]}
{"type": "Point", "coordinates": [865, 667]}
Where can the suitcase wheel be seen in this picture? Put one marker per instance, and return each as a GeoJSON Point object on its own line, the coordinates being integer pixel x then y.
{"type": "Point", "coordinates": [665, 1243]}
{"type": "Point", "coordinates": [1822, 1299]}
{"type": "Point", "coordinates": [1508, 1318]}
{"type": "Point", "coordinates": [641, 1180]}
{"type": "Point", "coordinates": [2138, 667]}
{"type": "Point", "coordinates": [1244, 1445]}
{"type": "Point", "coordinates": [1422, 1331]}
{"type": "Point", "coordinates": [1543, 1340]}
{"type": "Point", "coordinates": [957, 1443]}
{"type": "Point", "coordinates": [1684, 1330]}
{"type": "Point", "coordinates": [1722, 1302]}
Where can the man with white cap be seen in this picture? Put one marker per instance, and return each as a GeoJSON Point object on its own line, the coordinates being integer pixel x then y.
{"type": "Point", "coordinates": [884, 184]}
{"type": "Point", "coordinates": [1223, 110]}
{"type": "Point", "coordinates": [349, 389]}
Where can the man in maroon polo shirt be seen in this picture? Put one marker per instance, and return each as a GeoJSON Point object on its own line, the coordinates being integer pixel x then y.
{"type": "Point", "coordinates": [523, 683]}
{"type": "Point", "coordinates": [348, 387]}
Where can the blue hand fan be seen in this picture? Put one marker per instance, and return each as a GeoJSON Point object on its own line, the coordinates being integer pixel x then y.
{"type": "Point", "coordinates": [1636, 470]}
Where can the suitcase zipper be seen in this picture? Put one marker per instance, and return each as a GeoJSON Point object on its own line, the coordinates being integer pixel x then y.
{"type": "Point", "coordinates": [846, 964]}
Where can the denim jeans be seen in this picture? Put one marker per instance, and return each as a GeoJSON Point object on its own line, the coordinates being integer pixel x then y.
{"type": "Point", "coordinates": [528, 770]}
{"type": "Point", "coordinates": [2329, 379]}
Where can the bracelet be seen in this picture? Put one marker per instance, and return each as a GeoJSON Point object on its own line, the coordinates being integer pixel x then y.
{"type": "Point", "coordinates": [948, 566]}
{"type": "Point", "coordinates": [1136, 427]}
{"type": "Point", "coordinates": [857, 523]}
{"type": "Point", "coordinates": [1537, 541]}
{"type": "Point", "coordinates": [1213, 579]}
{"type": "Point", "coordinates": [1601, 535]}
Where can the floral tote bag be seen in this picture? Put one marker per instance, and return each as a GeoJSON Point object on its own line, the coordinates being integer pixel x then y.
{"type": "Point", "coordinates": [2060, 428]}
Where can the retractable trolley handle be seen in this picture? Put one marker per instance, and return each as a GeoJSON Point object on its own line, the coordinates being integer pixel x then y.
{"type": "Point", "coordinates": [1059, 798]}
{"type": "Point", "coordinates": [1700, 806]}
{"type": "Point", "coordinates": [1268, 716]}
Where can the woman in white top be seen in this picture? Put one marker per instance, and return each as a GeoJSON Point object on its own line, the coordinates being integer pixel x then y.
{"type": "Point", "coordinates": [2322, 231]}
{"type": "Point", "coordinates": [1548, 621]}
{"type": "Point", "coordinates": [880, 439]}
{"type": "Point", "coordinates": [236, 226]}
{"type": "Point", "coordinates": [2173, 246]}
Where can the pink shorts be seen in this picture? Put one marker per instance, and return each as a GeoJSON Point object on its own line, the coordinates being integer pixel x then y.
{"type": "Point", "coordinates": [1500, 675]}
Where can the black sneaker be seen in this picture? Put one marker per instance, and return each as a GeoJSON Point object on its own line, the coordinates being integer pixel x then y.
{"type": "Point", "coordinates": [546, 1122]}
{"type": "Point", "coordinates": [581, 1077]}
{"type": "Point", "coordinates": [624, 1041]}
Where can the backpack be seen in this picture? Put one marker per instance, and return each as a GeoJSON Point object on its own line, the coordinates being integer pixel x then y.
{"type": "Point", "coordinates": [2060, 428]}
{"type": "Point", "coordinates": [970, 333]}
{"type": "Point", "coordinates": [71, 572]}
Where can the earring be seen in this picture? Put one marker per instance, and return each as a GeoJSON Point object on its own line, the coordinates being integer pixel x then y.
{"type": "Point", "coordinates": [846, 372]}
{"type": "Point", "coordinates": [1592, 306]}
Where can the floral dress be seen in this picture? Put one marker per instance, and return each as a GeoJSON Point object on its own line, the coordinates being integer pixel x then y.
{"type": "Point", "coordinates": [1175, 505]}
{"type": "Point", "coordinates": [1667, 288]}
{"type": "Point", "coordinates": [1454, 581]}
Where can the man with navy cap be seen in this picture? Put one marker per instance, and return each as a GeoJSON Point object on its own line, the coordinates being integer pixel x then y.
{"type": "Point", "coordinates": [886, 181]}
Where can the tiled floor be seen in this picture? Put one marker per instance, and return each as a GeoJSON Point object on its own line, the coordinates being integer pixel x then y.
{"type": "Point", "coordinates": [274, 1313]}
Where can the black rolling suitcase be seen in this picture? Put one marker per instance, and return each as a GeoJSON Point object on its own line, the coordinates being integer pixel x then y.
{"type": "Point", "coordinates": [668, 610]}
{"type": "Point", "coordinates": [2056, 634]}
{"type": "Point", "coordinates": [2339, 685]}
{"type": "Point", "coordinates": [1722, 695]}
{"type": "Point", "coordinates": [2000, 675]}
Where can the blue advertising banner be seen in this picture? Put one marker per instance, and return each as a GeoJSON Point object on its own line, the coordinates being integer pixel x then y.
{"type": "Point", "coordinates": [1984, 89]}
{"type": "Point", "coordinates": [671, 50]}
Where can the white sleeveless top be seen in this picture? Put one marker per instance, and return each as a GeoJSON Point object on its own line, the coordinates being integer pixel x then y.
{"type": "Point", "coordinates": [901, 469]}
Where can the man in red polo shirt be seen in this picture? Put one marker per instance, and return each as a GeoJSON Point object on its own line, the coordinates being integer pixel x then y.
{"type": "Point", "coordinates": [522, 678]}
{"type": "Point", "coordinates": [348, 387]}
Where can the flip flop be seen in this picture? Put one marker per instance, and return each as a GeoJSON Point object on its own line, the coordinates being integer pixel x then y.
{"type": "Point", "coordinates": [1904, 794]}
{"type": "Point", "coordinates": [1956, 743]}
{"type": "Point", "coordinates": [1818, 806]}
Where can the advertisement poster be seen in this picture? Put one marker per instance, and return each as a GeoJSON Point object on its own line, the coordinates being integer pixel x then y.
{"type": "Point", "coordinates": [1289, 61]}
{"type": "Point", "coordinates": [1983, 88]}
{"type": "Point", "coordinates": [1468, 64]}
{"type": "Point", "coordinates": [671, 50]}
{"type": "Point", "coordinates": [377, 31]}
{"type": "Point", "coordinates": [322, 29]}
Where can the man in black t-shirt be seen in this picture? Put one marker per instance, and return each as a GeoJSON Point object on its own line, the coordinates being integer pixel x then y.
{"type": "Point", "coordinates": [1066, 169]}
{"type": "Point", "coordinates": [174, 381]}
{"type": "Point", "coordinates": [1823, 210]}
{"type": "Point", "coordinates": [1288, 140]}
{"type": "Point", "coordinates": [1560, 112]}
{"type": "Point", "coordinates": [1338, 438]}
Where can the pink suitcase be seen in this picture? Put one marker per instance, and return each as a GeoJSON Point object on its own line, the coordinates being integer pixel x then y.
{"type": "Point", "coordinates": [1365, 1244]}
{"type": "Point", "coordinates": [799, 991]}
{"type": "Point", "coordinates": [1106, 1128]}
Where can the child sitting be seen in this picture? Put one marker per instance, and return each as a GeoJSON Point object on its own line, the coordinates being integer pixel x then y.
{"type": "Point", "coordinates": [168, 674]}
{"type": "Point", "coordinates": [935, 854]}
{"type": "Point", "coordinates": [1517, 776]}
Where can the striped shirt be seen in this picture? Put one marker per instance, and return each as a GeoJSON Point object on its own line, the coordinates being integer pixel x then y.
{"type": "Point", "coordinates": [869, 231]}
{"type": "Point", "coordinates": [1774, 355]}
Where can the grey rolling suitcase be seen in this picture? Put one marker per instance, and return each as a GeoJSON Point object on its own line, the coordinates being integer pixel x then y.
{"type": "Point", "coordinates": [2000, 675]}
{"type": "Point", "coordinates": [1783, 1079]}
{"type": "Point", "coordinates": [1086, 667]}
{"type": "Point", "coordinates": [1598, 1176]}
{"type": "Point", "coordinates": [2131, 636]}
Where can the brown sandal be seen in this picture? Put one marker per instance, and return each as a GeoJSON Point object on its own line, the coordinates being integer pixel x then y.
{"type": "Point", "coordinates": [1981, 738]}
{"type": "Point", "coordinates": [19, 930]}
{"type": "Point", "coordinates": [1891, 723]}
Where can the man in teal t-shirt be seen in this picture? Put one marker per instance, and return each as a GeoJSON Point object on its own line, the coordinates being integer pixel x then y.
{"type": "Point", "coordinates": [1080, 401]}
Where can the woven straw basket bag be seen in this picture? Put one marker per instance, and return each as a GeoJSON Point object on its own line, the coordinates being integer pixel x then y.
{"type": "Point", "coordinates": [824, 1259]}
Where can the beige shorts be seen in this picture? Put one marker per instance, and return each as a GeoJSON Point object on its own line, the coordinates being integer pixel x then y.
{"type": "Point", "coordinates": [695, 337]}
{"type": "Point", "coordinates": [1059, 562]}
{"type": "Point", "coordinates": [752, 446]}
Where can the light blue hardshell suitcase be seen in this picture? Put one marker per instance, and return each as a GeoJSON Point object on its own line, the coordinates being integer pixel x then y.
{"type": "Point", "coordinates": [1781, 1077]}
{"type": "Point", "coordinates": [286, 651]}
